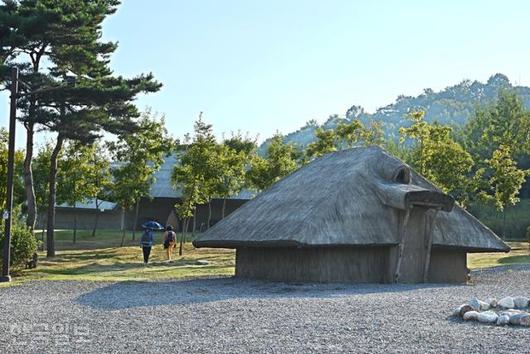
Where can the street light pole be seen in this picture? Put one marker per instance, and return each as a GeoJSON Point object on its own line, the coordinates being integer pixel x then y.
{"type": "Point", "coordinates": [10, 172]}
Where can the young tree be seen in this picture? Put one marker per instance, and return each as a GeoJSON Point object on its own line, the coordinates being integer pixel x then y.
{"type": "Point", "coordinates": [138, 156]}
{"type": "Point", "coordinates": [234, 156]}
{"type": "Point", "coordinates": [74, 182]}
{"type": "Point", "coordinates": [100, 177]}
{"type": "Point", "coordinates": [185, 178]}
{"type": "Point", "coordinates": [198, 170]}
{"type": "Point", "coordinates": [438, 157]}
{"type": "Point", "coordinates": [280, 161]}
{"type": "Point", "coordinates": [505, 181]}
{"type": "Point", "coordinates": [41, 168]}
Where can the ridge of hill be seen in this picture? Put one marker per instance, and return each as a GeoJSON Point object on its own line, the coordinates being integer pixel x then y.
{"type": "Point", "coordinates": [453, 105]}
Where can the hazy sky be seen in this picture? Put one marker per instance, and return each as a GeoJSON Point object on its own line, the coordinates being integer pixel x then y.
{"type": "Point", "coordinates": [262, 66]}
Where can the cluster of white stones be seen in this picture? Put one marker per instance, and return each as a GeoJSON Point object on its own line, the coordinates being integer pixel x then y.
{"type": "Point", "coordinates": [506, 311]}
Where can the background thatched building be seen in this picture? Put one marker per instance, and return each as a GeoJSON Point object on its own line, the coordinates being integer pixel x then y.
{"type": "Point", "coordinates": [358, 215]}
{"type": "Point", "coordinates": [159, 205]}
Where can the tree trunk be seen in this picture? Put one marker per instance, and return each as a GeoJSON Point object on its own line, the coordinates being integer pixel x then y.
{"type": "Point", "coordinates": [42, 233]}
{"type": "Point", "coordinates": [135, 219]}
{"type": "Point", "coordinates": [96, 219]}
{"type": "Point", "coordinates": [52, 185]}
{"type": "Point", "coordinates": [122, 227]}
{"type": "Point", "coordinates": [75, 223]}
{"type": "Point", "coordinates": [223, 209]}
{"type": "Point", "coordinates": [194, 220]}
{"type": "Point", "coordinates": [182, 236]}
{"type": "Point", "coordinates": [28, 177]}
{"type": "Point", "coordinates": [209, 214]}
{"type": "Point", "coordinates": [504, 224]}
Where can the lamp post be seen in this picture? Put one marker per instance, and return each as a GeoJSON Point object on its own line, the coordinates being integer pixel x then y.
{"type": "Point", "coordinates": [7, 215]}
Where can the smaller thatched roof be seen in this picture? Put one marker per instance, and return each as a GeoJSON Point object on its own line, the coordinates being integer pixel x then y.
{"type": "Point", "coordinates": [90, 204]}
{"type": "Point", "coordinates": [347, 198]}
{"type": "Point", "coordinates": [162, 186]}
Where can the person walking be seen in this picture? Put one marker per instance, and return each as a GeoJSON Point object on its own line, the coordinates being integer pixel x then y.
{"type": "Point", "coordinates": [170, 241]}
{"type": "Point", "coordinates": [146, 242]}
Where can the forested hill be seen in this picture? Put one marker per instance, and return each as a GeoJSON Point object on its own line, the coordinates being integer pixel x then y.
{"type": "Point", "coordinates": [453, 105]}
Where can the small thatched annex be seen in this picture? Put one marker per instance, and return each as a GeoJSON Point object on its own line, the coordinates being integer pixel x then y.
{"type": "Point", "coordinates": [358, 215]}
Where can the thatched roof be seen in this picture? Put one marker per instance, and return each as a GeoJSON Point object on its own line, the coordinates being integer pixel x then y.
{"type": "Point", "coordinates": [350, 197]}
{"type": "Point", "coordinates": [89, 204]}
{"type": "Point", "coordinates": [162, 186]}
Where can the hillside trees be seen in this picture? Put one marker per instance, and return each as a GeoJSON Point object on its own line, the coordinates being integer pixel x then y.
{"type": "Point", "coordinates": [345, 135]}
{"type": "Point", "coordinates": [504, 122]}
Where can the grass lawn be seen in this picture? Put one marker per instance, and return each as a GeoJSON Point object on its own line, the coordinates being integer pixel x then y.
{"type": "Point", "coordinates": [520, 254]}
{"type": "Point", "coordinates": [100, 258]}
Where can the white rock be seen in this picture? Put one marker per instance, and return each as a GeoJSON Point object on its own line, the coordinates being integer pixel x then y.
{"type": "Point", "coordinates": [456, 311]}
{"type": "Point", "coordinates": [516, 318]}
{"type": "Point", "coordinates": [470, 316]}
{"type": "Point", "coordinates": [492, 302]}
{"type": "Point", "coordinates": [507, 302]}
{"type": "Point", "coordinates": [474, 303]}
{"type": "Point", "coordinates": [484, 305]}
{"type": "Point", "coordinates": [503, 320]}
{"type": "Point", "coordinates": [465, 308]}
{"type": "Point", "coordinates": [510, 312]}
{"type": "Point", "coordinates": [520, 301]}
{"type": "Point", "coordinates": [487, 317]}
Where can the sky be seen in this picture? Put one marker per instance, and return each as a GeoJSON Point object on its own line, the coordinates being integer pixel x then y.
{"type": "Point", "coordinates": [267, 66]}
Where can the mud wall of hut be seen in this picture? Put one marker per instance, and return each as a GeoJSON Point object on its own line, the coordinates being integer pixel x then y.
{"type": "Point", "coordinates": [342, 264]}
{"type": "Point", "coordinates": [318, 264]}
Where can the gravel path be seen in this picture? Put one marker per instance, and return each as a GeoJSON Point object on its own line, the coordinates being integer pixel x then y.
{"type": "Point", "coordinates": [227, 315]}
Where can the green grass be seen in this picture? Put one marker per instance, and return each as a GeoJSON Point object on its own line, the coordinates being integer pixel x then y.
{"type": "Point", "coordinates": [520, 254]}
{"type": "Point", "coordinates": [101, 259]}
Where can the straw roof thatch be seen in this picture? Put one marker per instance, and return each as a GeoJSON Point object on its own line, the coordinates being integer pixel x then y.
{"type": "Point", "coordinates": [347, 198]}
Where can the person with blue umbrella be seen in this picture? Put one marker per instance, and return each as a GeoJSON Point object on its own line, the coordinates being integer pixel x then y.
{"type": "Point", "coordinates": [147, 239]}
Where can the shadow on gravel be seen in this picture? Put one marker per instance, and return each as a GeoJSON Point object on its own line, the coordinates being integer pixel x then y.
{"type": "Point", "coordinates": [134, 294]}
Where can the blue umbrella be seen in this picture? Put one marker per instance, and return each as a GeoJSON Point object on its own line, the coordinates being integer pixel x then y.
{"type": "Point", "coordinates": [153, 225]}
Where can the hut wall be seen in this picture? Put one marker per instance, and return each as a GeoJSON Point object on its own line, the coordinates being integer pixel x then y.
{"type": "Point", "coordinates": [329, 264]}
{"type": "Point", "coordinates": [342, 264]}
{"type": "Point", "coordinates": [448, 266]}
{"type": "Point", "coordinates": [64, 219]}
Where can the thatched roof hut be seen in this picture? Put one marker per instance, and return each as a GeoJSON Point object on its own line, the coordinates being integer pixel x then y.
{"type": "Point", "coordinates": [353, 215]}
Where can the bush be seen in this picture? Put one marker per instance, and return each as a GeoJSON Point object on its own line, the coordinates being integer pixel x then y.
{"type": "Point", "coordinates": [528, 234]}
{"type": "Point", "coordinates": [23, 242]}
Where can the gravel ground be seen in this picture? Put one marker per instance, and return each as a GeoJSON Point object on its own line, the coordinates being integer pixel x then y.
{"type": "Point", "coordinates": [225, 315]}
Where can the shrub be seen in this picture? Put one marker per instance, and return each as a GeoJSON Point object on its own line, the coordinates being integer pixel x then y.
{"type": "Point", "coordinates": [23, 242]}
